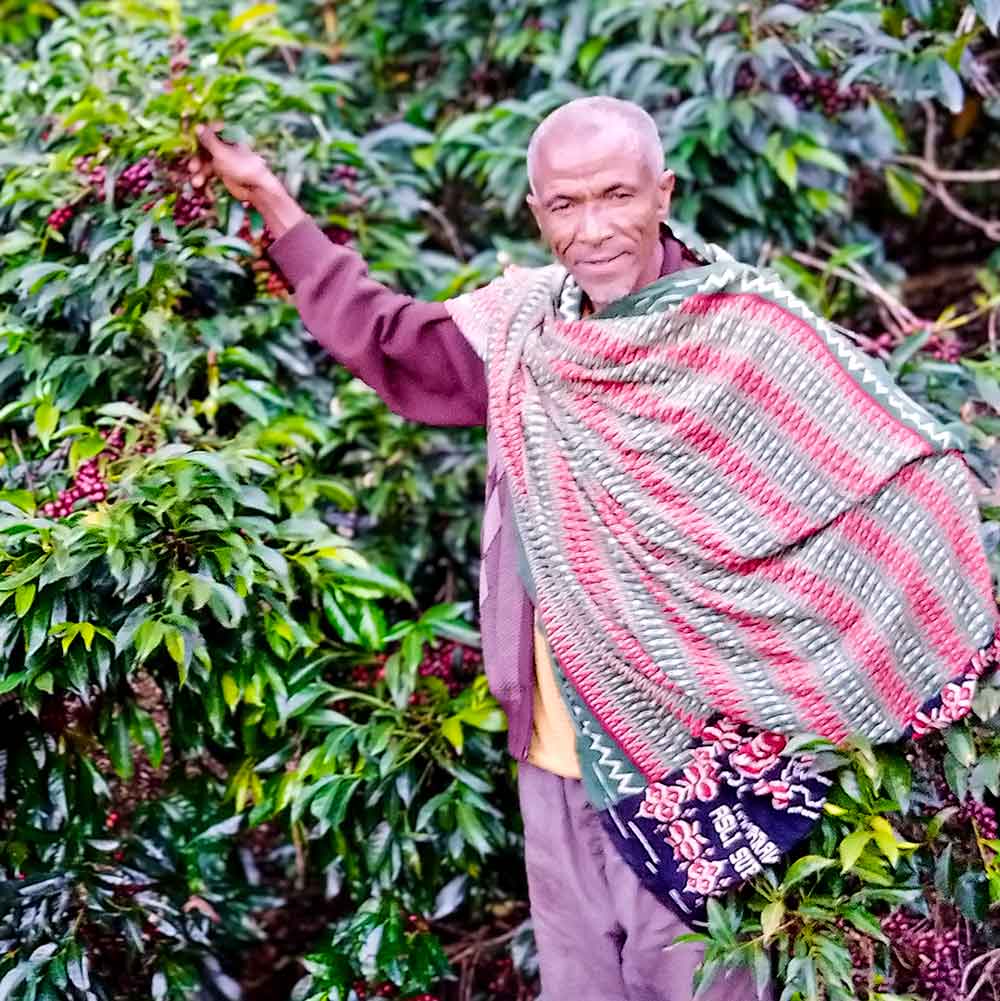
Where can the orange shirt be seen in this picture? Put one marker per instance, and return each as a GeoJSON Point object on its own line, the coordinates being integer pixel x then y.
{"type": "Point", "coordinates": [553, 739]}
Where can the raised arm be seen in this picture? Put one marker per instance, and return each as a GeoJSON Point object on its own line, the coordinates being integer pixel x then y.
{"type": "Point", "coordinates": [410, 352]}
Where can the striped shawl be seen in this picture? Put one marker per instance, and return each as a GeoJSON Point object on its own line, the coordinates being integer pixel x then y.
{"type": "Point", "coordinates": [740, 530]}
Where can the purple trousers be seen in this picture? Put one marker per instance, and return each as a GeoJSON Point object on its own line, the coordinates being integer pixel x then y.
{"type": "Point", "coordinates": [601, 935]}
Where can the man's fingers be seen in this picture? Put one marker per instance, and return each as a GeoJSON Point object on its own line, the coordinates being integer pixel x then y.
{"type": "Point", "coordinates": [195, 165]}
{"type": "Point", "coordinates": [209, 140]}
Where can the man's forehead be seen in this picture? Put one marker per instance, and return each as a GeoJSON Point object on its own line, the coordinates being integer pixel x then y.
{"type": "Point", "coordinates": [586, 148]}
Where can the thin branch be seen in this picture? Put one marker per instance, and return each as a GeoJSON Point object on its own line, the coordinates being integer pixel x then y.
{"type": "Point", "coordinates": [463, 950]}
{"type": "Point", "coordinates": [990, 960]}
{"type": "Point", "coordinates": [450, 233]}
{"type": "Point", "coordinates": [904, 319]}
{"type": "Point", "coordinates": [26, 466]}
{"type": "Point", "coordinates": [991, 227]}
{"type": "Point", "coordinates": [936, 173]}
{"type": "Point", "coordinates": [930, 132]}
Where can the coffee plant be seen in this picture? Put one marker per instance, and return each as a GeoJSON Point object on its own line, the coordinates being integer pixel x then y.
{"type": "Point", "coordinates": [247, 748]}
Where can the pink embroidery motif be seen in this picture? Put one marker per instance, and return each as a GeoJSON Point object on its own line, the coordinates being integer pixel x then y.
{"type": "Point", "coordinates": [724, 732]}
{"type": "Point", "coordinates": [779, 791]}
{"type": "Point", "coordinates": [685, 838]}
{"type": "Point", "coordinates": [702, 876]}
{"type": "Point", "coordinates": [956, 703]}
{"type": "Point", "coordinates": [664, 803]}
{"type": "Point", "coordinates": [702, 775]}
{"type": "Point", "coordinates": [756, 756]}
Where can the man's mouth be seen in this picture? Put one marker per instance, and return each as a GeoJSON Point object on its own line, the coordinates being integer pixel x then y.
{"type": "Point", "coordinates": [596, 262]}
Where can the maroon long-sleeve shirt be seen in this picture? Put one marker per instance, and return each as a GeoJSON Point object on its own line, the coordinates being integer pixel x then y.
{"type": "Point", "coordinates": [418, 361]}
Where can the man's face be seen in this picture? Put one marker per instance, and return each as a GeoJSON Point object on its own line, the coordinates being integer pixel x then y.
{"type": "Point", "coordinates": [599, 207]}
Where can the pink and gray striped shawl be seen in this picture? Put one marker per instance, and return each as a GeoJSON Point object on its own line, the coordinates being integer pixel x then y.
{"type": "Point", "coordinates": [739, 530]}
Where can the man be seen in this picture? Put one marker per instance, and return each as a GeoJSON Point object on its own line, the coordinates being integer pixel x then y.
{"type": "Point", "coordinates": [683, 561]}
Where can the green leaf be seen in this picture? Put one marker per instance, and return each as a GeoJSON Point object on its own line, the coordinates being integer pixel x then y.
{"type": "Point", "coordinates": [771, 918]}
{"type": "Point", "coordinates": [23, 599]}
{"type": "Point", "coordinates": [804, 867]}
{"type": "Point", "coordinates": [885, 838]}
{"type": "Point", "coordinates": [944, 873]}
{"type": "Point", "coordinates": [119, 747]}
{"type": "Point", "coordinates": [46, 421]}
{"type": "Point", "coordinates": [851, 848]}
{"type": "Point", "coordinates": [451, 730]}
{"type": "Point", "coordinates": [821, 156]}
{"type": "Point", "coordinates": [30, 572]}
{"type": "Point", "coordinates": [904, 190]}
{"type": "Point", "coordinates": [960, 744]}
{"type": "Point", "coordinates": [255, 13]}
{"type": "Point", "coordinates": [16, 241]}
{"type": "Point", "coordinates": [489, 718]}
{"type": "Point", "coordinates": [230, 691]}
{"type": "Point", "coordinates": [972, 895]}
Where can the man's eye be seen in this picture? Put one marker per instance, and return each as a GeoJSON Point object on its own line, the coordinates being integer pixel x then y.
{"type": "Point", "coordinates": [619, 195]}
{"type": "Point", "coordinates": [560, 207]}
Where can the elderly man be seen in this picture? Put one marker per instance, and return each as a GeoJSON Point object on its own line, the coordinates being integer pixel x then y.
{"type": "Point", "coordinates": [711, 523]}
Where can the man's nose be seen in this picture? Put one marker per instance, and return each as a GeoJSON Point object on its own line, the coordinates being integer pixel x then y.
{"type": "Point", "coordinates": [593, 225]}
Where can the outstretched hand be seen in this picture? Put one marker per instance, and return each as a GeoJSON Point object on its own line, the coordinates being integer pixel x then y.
{"type": "Point", "coordinates": [245, 173]}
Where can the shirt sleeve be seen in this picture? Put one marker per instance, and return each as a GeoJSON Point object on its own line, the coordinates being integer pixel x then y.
{"type": "Point", "coordinates": [410, 352]}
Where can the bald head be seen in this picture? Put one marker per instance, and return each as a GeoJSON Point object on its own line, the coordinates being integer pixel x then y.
{"type": "Point", "coordinates": [579, 119]}
{"type": "Point", "coordinates": [599, 192]}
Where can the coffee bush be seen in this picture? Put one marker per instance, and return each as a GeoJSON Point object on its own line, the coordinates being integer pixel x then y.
{"type": "Point", "coordinates": [247, 748]}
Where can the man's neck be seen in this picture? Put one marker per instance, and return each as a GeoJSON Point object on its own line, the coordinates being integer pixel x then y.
{"type": "Point", "coordinates": [649, 275]}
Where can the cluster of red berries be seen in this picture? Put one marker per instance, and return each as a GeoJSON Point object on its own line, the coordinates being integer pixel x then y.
{"type": "Point", "coordinates": [365, 990]}
{"type": "Point", "coordinates": [338, 235]}
{"type": "Point", "coordinates": [416, 924]}
{"type": "Point", "coordinates": [746, 78]}
{"type": "Point", "coordinates": [345, 174]}
{"type": "Point", "coordinates": [945, 350]}
{"type": "Point", "coordinates": [982, 815]}
{"type": "Point", "coordinates": [268, 281]}
{"type": "Point", "coordinates": [501, 975]}
{"type": "Point", "coordinates": [111, 820]}
{"type": "Point", "coordinates": [453, 663]}
{"type": "Point", "coordinates": [190, 207]}
{"type": "Point", "coordinates": [933, 957]}
{"type": "Point", "coordinates": [89, 483]}
{"type": "Point", "coordinates": [94, 172]}
{"type": "Point", "coordinates": [134, 179]}
{"type": "Point", "coordinates": [950, 349]}
{"type": "Point", "coordinates": [823, 93]}
{"type": "Point", "coordinates": [60, 216]}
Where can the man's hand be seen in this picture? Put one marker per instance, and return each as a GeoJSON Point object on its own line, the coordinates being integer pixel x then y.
{"type": "Point", "coordinates": [241, 170]}
{"type": "Point", "coordinates": [247, 177]}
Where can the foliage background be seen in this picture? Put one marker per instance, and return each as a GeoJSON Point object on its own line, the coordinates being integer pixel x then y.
{"type": "Point", "coordinates": [245, 747]}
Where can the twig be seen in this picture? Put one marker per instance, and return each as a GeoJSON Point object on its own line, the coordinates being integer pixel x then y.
{"type": "Point", "coordinates": [289, 58]}
{"type": "Point", "coordinates": [950, 275]}
{"type": "Point", "coordinates": [905, 320]}
{"type": "Point", "coordinates": [991, 227]}
{"type": "Point", "coordinates": [991, 329]}
{"type": "Point", "coordinates": [450, 233]}
{"type": "Point", "coordinates": [936, 173]}
{"type": "Point", "coordinates": [990, 959]}
{"type": "Point", "coordinates": [465, 950]}
{"type": "Point", "coordinates": [20, 457]}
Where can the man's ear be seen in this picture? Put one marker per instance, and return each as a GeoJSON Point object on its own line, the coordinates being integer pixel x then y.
{"type": "Point", "coordinates": [666, 186]}
{"type": "Point", "coordinates": [536, 209]}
